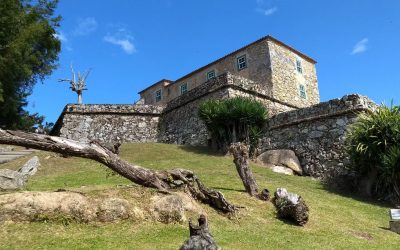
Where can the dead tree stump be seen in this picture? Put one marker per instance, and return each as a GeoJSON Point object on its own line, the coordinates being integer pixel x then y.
{"type": "Point", "coordinates": [200, 237]}
{"type": "Point", "coordinates": [241, 159]}
{"type": "Point", "coordinates": [291, 206]}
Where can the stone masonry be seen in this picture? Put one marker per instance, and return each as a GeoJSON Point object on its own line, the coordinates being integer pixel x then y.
{"type": "Point", "coordinates": [272, 67]}
{"type": "Point", "coordinates": [109, 123]}
{"type": "Point", "coordinates": [317, 134]}
{"type": "Point", "coordinates": [180, 123]}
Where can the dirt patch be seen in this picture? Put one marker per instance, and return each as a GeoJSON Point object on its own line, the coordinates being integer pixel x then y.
{"type": "Point", "coordinates": [361, 235]}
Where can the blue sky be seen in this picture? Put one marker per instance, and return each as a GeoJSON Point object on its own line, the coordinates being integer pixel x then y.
{"type": "Point", "coordinates": [130, 44]}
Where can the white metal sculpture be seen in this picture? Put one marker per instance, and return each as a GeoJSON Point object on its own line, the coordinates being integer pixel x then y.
{"type": "Point", "coordinates": [77, 86]}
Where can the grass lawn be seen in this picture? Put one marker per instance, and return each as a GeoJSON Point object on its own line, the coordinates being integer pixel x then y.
{"type": "Point", "coordinates": [336, 221]}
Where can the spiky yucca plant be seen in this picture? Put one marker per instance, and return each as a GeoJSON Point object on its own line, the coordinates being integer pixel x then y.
{"type": "Point", "coordinates": [238, 119]}
{"type": "Point", "coordinates": [373, 143]}
{"type": "Point", "coordinates": [390, 173]}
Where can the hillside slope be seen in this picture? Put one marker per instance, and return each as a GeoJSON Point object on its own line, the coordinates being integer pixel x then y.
{"type": "Point", "coordinates": [336, 221]}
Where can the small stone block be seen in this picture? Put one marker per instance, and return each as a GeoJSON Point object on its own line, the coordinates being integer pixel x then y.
{"type": "Point", "coordinates": [394, 226]}
{"type": "Point", "coordinates": [394, 214]}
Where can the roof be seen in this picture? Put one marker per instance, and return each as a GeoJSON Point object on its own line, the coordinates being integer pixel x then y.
{"type": "Point", "coordinates": [162, 80]}
{"type": "Point", "coordinates": [265, 38]}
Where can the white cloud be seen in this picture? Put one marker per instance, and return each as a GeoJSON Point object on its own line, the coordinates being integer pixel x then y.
{"type": "Point", "coordinates": [85, 26]}
{"type": "Point", "coordinates": [125, 44]}
{"type": "Point", "coordinates": [61, 36]}
{"type": "Point", "coordinates": [267, 12]}
{"type": "Point", "coordinates": [360, 47]}
{"type": "Point", "coordinates": [122, 38]}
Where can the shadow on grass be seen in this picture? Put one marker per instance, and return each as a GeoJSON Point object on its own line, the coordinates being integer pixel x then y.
{"type": "Point", "coordinates": [201, 150]}
{"type": "Point", "coordinates": [354, 195]}
{"type": "Point", "coordinates": [229, 189]}
{"type": "Point", "coordinates": [385, 228]}
{"type": "Point", "coordinates": [287, 221]}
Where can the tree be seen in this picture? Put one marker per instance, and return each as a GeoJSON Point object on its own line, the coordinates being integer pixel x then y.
{"type": "Point", "coordinates": [240, 154]}
{"type": "Point", "coordinates": [28, 53]}
{"type": "Point", "coordinates": [238, 119]}
{"type": "Point", "coordinates": [164, 181]}
{"type": "Point", "coordinates": [77, 86]}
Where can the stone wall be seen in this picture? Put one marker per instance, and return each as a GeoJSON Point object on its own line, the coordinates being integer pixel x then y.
{"type": "Point", "coordinates": [180, 123]}
{"type": "Point", "coordinates": [286, 79]}
{"type": "Point", "coordinates": [317, 134]}
{"type": "Point", "coordinates": [108, 123]}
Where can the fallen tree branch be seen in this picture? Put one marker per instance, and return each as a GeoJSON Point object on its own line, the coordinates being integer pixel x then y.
{"type": "Point", "coordinates": [164, 181]}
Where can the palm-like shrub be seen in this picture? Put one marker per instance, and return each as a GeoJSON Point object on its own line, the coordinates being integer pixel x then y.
{"type": "Point", "coordinates": [390, 173]}
{"type": "Point", "coordinates": [373, 144]}
{"type": "Point", "coordinates": [238, 119]}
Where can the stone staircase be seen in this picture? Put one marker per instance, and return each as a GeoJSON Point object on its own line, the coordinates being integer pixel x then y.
{"type": "Point", "coordinates": [12, 155]}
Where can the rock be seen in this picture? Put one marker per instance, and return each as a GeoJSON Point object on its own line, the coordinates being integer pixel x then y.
{"type": "Point", "coordinates": [113, 209]}
{"type": "Point", "coordinates": [30, 167]}
{"type": "Point", "coordinates": [11, 180]}
{"type": "Point", "coordinates": [6, 148]}
{"type": "Point", "coordinates": [168, 209]}
{"type": "Point", "coordinates": [171, 208]}
{"type": "Point", "coordinates": [282, 157]}
{"type": "Point", "coordinates": [282, 170]}
{"type": "Point", "coordinates": [44, 206]}
{"type": "Point", "coordinates": [291, 206]}
{"type": "Point", "coordinates": [264, 195]}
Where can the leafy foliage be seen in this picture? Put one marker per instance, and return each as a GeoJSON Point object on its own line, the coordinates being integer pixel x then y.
{"type": "Point", "coordinates": [237, 119]}
{"type": "Point", "coordinates": [390, 172]}
{"type": "Point", "coordinates": [28, 52]}
{"type": "Point", "coordinates": [373, 144]}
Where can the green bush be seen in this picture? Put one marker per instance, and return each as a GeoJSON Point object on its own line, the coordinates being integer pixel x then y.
{"type": "Point", "coordinates": [373, 144]}
{"type": "Point", "coordinates": [238, 119]}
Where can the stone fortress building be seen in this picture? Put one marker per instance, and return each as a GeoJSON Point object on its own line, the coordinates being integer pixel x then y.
{"type": "Point", "coordinates": [274, 69]}
{"type": "Point", "coordinates": [268, 70]}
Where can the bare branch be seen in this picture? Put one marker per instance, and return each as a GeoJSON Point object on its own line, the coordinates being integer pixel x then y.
{"type": "Point", "coordinates": [165, 181]}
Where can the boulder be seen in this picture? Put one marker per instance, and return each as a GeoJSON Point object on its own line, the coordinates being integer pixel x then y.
{"type": "Point", "coordinates": [11, 180]}
{"type": "Point", "coordinates": [113, 209]}
{"type": "Point", "coordinates": [172, 208]}
{"type": "Point", "coordinates": [44, 206]}
{"type": "Point", "coordinates": [168, 209]}
{"type": "Point", "coordinates": [282, 170]}
{"type": "Point", "coordinates": [281, 157]}
{"type": "Point", "coordinates": [30, 167]}
{"type": "Point", "coordinates": [6, 148]}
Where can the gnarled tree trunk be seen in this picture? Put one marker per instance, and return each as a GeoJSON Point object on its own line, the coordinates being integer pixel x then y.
{"type": "Point", "coordinates": [200, 237]}
{"type": "Point", "coordinates": [241, 157]}
{"type": "Point", "coordinates": [165, 181]}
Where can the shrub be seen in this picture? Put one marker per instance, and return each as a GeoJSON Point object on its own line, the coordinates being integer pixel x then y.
{"type": "Point", "coordinates": [373, 144]}
{"type": "Point", "coordinates": [238, 119]}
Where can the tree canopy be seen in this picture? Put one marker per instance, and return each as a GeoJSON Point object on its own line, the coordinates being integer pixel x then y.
{"type": "Point", "coordinates": [238, 119]}
{"type": "Point", "coordinates": [29, 51]}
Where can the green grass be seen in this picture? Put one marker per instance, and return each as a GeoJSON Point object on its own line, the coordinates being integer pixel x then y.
{"type": "Point", "coordinates": [336, 221]}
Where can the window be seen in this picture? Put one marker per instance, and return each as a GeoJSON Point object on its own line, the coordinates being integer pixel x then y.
{"type": "Point", "coordinates": [210, 74]}
{"type": "Point", "coordinates": [302, 92]}
{"type": "Point", "coordinates": [241, 62]}
{"type": "Point", "coordinates": [158, 95]}
{"type": "Point", "coordinates": [299, 67]}
{"type": "Point", "coordinates": [183, 88]}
